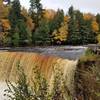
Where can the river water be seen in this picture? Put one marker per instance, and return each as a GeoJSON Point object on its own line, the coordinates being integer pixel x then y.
{"type": "Point", "coordinates": [66, 52]}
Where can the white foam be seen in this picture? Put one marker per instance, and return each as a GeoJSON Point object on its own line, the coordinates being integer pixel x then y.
{"type": "Point", "coordinates": [3, 86]}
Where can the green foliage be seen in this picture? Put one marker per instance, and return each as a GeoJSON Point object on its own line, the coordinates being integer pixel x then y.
{"type": "Point", "coordinates": [80, 30]}
{"type": "Point", "coordinates": [59, 90]}
{"type": "Point", "coordinates": [73, 29]}
{"type": "Point", "coordinates": [41, 35]}
{"type": "Point", "coordinates": [88, 79]}
{"type": "Point", "coordinates": [6, 41]}
{"type": "Point", "coordinates": [71, 11]}
{"type": "Point", "coordinates": [15, 39]}
{"type": "Point", "coordinates": [98, 38]}
{"type": "Point", "coordinates": [40, 85]}
{"type": "Point", "coordinates": [19, 32]}
{"type": "Point", "coordinates": [20, 91]}
{"type": "Point", "coordinates": [90, 36]}
{"type": "Point", "coordinates": [36, 11]}
{"type": "Point", "coordinates": [98, 18]}
{"type": "Point", "coordinates": [56, 22]}
{"type": "Point", "coordinates": [40, 89]}
{"type": "Point", "coordinates": [84, 29]}
{"type": "Point", "coordinates": [14, 14]}
{"type": "Point", "coordinates": [24, 33]}
{"type": "Point", "coordinates": [89, 52]}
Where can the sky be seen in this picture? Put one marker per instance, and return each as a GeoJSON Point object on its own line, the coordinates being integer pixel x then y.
{"type": "Point", "coordinates": [92, 6]}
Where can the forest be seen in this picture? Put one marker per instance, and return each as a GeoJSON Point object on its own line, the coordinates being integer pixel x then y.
{"type": "Point", "coordinates": [38, 26]}
{"type": "Point", "coordinates": [41, 73]}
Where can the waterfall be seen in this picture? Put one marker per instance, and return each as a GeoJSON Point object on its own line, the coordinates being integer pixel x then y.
{"type": "Point", "coordinates": [9, 60]}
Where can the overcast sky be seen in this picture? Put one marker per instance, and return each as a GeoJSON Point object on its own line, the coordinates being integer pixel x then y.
{"type": "Point", "coordinates": [92, 6]}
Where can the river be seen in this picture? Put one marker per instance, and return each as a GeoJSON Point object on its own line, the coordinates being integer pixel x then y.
{"type": "Point", "coordinates": [65, 52]}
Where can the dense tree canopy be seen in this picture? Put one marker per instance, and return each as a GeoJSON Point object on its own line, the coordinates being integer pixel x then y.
{"type": "Point", "coordinates": [38, 26]}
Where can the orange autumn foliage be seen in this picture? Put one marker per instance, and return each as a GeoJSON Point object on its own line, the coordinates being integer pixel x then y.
{"type": "Point", "coordinates": [95, 26]}
{"type": "Point", "coordinates": [88, 16]}
{"type": "Point", "coordinates": [4, 10]}
{"type": "Point", "coordinates": [5, 24]}
{"type": "Point", "coordinates": [49, 14]}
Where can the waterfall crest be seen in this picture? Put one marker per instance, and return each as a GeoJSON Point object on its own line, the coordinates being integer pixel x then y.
{"type": "Point", "coordinates": [9, 60]}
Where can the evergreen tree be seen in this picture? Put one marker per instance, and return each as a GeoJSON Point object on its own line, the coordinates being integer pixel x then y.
{"type": "Point", "coordinates": [80, 30]}
{"type": "Point", "coordinates": [73, 30]}
{"type": "Point", "coordinates": [88, 36]}
{"type": "Point", "coordinates": [15, 14]}
{"type": "Point", "coordinates": [18, 25]}
{"type": "Point", "coordinates": [41, 35]}
{"type": "Point", "coordinates": [24, 33]}
{"type": "Point", "coordinates": [98, 20]}
{"type": "Point", "coordinates": [71, 11]}
{"type": "Point", "coordinates": [85, 29]}
{"type": "Point", "coordinates": [56, 22]}
{"type": "Point", "coordinates": [36, 11]}
{"type": "Point", "coordinates": [74, 36]}
{"type": "Point", "coordinates": [15, 39]}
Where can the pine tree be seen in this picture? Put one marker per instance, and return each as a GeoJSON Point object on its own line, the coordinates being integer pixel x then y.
{"type": "Point", "coordinates": [74, 36]}
{"type": "Point", "coordinates": [18, 25]}
{"type": "Point", "coordinates": [80, 30]}
{"type": "Point", "coordinates": [15, 39]}
{"type": "Point", "coordinates": [36, 11]}
{"type": "Point", "coordinates": [98, 20]}
{"type": "Point", "coordinates": [41, 35]}
{"type": "Point", "coordinates": [15, 14]}
{"type": "Point", "coordinates": [85, 29]}
{"type": "Point", "coordinates": [73, 30]}
{"type": "Point", "coordinates": [71, 11]}
{"type": "Point", "coordinates": [56, 22]}
{"type": "Point", "coordinates": [24, 33]}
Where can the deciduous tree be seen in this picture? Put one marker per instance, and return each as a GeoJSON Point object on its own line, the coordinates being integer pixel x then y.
{"type": "Point", "coordinates": [60, 36]}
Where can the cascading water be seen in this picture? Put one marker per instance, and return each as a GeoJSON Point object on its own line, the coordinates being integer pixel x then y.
{"type": "Point", "coordinates": [9, 60]}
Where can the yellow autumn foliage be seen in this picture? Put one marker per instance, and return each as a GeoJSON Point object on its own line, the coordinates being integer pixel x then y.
{"type": "Point", "coordinates": [66, 19]}
{"type": "Point", "coordinates": [49, 14]}
{"type": "Point", "coordinates": [5, 24]}
{"type": "Point", "coordinates": [88, 16]}
{"type": "Point", "coordinates": [98, 38]}
{"type": "Point", "coordinates": [4, 10]}
{"type": "Point", "coordinates": [95, 26]}
{"type": "Point", "coordinates": [61, 34]}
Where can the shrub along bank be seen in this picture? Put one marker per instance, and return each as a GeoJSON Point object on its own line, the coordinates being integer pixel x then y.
{"type": "Point", "coordinates": [87, 78]}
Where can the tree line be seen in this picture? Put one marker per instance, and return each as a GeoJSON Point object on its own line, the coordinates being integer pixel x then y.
{"type": "Point", "coordinates": [38, 26]}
